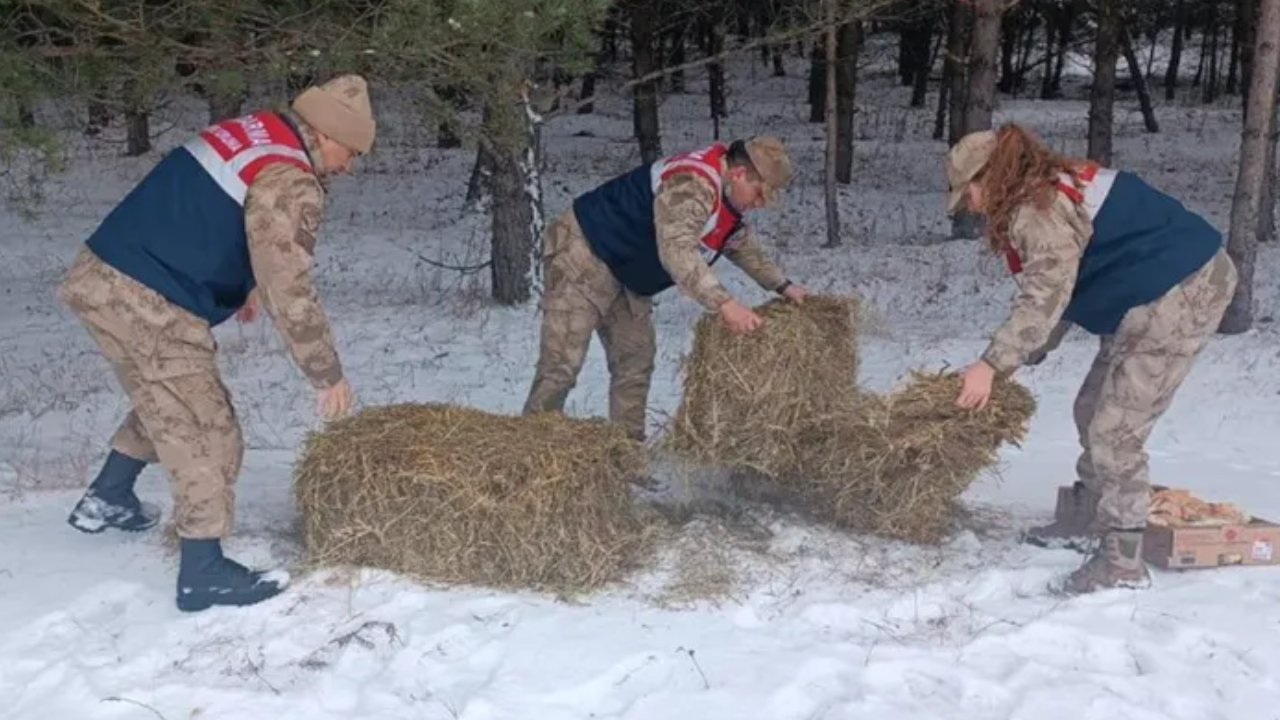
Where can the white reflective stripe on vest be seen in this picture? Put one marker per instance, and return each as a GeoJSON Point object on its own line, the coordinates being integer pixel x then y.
{"type": "Point", "coordinates": [1095, 191]}
{"type": "Point", "coordinates": [655, 178]}
{"type": "Point", "coordinates": [227, 172]}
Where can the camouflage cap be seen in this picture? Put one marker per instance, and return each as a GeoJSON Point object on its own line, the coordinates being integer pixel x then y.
{"type": "Point", "coordinates": [964, 161]}
{"type": "Point", "coordinates": [340, 109]}
{"type": "Point", "coordinates": [769, 156]}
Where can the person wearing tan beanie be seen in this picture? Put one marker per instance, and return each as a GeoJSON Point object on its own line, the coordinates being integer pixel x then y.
{"type": "Point", "coordinates": [229, 216]}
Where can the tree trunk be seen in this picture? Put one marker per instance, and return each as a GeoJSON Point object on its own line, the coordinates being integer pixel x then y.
{"type": "Point", "coordinates": [1248, 204]}
{"type": "Point", "coordinates": [715, 73]}
{"type": "Point", "coordinates": [1064, 42]}
{"type": "Point", "coordinates": [957, 50]}
{"type": "Point", "coordinates": [1008, 48]}
{"type": "Point", "coordinates": [944, 100]}
{"type": "Point", "coordinates": [848, 44]}
{"type": "Point", "coordinates": [645, 95]}
{"type": "Point", "coordinates": [1102, 96]}
{"type": "Point", "coordinates": [1046, 80]}
{"type": "Point", "coordinates": [818, 83]}
{"type": "Point", "coordinates": [980, 104]}
{"type": "Point", "coordinates": [1267, 223]}
{"type": "Point", "coordinates": [779, 69]}
{"type": "Point", "coordinates": [480, 184]}
{"type": "Point", "coordinates": [1212, 32]}
{"type": "Point", "coordinates": [1248, 11]}
{"type": "Point", "coordinates": [517, 219]}
{"type": "Point", "coordinates": [1175, 52]}
{"type": "Point", "coordinates": [1139, 81]}
{"type": "Point", "coordinates": [676, 80]}
{"type": "Point", "coordinates": [830, 43]}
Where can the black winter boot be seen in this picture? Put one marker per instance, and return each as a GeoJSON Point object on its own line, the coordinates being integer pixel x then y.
{"type": "Point", "coordinates": [206, 578]}
{"type": "Point", "coordinates": [110, 501]}
{"type": "Point", "coordinates": [1073, 525]}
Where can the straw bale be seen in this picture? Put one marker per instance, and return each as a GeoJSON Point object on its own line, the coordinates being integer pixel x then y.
{"type": "Point", "coordinates": [896, 465]}
{"type": "Point", "coordinates": [783, 403]}
{"type": "Point", "coordinates": [745, 394]}
{"type": "Point", "coordinates": [459, 495]}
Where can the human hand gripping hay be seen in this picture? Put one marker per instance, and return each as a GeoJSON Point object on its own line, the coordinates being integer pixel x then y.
{"type": "Point", "coordinates": [459, 495]}
{"type": "Point", "coordinates": [784, 403]}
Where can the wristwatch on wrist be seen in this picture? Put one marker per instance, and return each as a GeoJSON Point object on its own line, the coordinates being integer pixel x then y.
{"type": "Point", "coordinates": [783, 287]}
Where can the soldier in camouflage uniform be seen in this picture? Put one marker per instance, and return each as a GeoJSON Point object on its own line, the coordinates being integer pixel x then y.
{"type": "Point", "coordinates": [229, 217]}
{"type": "Point", "coordinates": [660, 225]}
{"type": "Point", "coordinates": [1101, 249]}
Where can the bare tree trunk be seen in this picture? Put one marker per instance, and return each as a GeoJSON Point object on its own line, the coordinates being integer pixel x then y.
{"type": "Point", "coordinates": [818, 83]}
{"type": "Point", "coordinates": [957, 51]}
{"type": "Point", "coordinates": [1175, 52]}
{"type": "Point", "coordinates": [480, 184]}
{"type": "Point", "coordinates": [829, 104]}
{"type": "Point", "coordinates": [848, 44]}
{"type": "Point", "coordinates": [1267, 223]}
{"type": "Point", "coordinates": [137, 122]}
{"type": "Point", "coordinates": [1211, 33]}
{"type": "Point", "coordinates": [715, 72]}
{"type": "Point", "coordinates": [1102, 97]}
{"type": "Point", "coordinates": [645, 95]}
{"type": "Point", "coordinates": [676, 83]}
{"type": "Point", "coordinates": [517, 219]}
{"type": "Point", "coordinates": [980, 104]}
{"type": "Point", "coordinates": [1248, 12]}
{"type": "Point", "coordinates": [944, 100]}
{"type": "Point", "coordinates": [1046, 80]}
{"type": "Point", "coordinates": [1139, 82]}
{"type": "Point", "coordinates": [1251, 193]}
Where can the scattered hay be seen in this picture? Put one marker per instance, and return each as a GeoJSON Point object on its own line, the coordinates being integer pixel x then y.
{"type": "Point", "coordinates": [458, 495]}
{"type": "Point", "coordinates": [743, 394]}
{"type": "Point", "coordinates": [784, 403]}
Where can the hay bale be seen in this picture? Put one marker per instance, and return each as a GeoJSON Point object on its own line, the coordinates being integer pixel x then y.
{"type": "Point", "coordinates": [896, 465]}
{"type": "Point", "coordinates": [459, 495]}
{"type": "Point", "coordinates": [782, 406]}
{"type": "Point", "coordinates": [745, 394]}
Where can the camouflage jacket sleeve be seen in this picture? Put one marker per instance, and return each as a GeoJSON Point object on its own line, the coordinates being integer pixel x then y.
{"type": "Point", "coordinates": [748, 254]}
{"type": "Point", "coordinates": [1050, 242]}
{"type": "Point", "coordinates": [282, 214]}
{"type": "Point", "coordinates": [680, 210]}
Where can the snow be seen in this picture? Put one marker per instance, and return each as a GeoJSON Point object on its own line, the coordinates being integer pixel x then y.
{"type": "Point", "coordinates": [804, 623]}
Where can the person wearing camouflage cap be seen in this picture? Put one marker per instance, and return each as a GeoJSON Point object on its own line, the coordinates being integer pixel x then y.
{"type": "Point", "coordinates": [1102, 249]}
{"type": "Point", "coordinates": [230, 216]}
{"type": "Point", "coordinates": [658, 226]}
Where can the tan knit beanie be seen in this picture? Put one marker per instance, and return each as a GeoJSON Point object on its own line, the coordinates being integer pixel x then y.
{"type": "Point", "coordinates": [340, 109]}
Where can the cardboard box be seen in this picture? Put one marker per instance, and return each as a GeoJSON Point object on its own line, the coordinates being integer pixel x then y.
{"type": "Point", "coordinates": [1197, 546]}
{"type": "Point", "coordinates": [1175, 548]}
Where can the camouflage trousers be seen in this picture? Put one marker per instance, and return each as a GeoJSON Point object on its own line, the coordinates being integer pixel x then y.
{"type": "Point", "coordinates": [1132, 383]}
{"type": "Point", "coordinates": [583, 298]}
{"type": "Point", "coordinates": [164, 357]}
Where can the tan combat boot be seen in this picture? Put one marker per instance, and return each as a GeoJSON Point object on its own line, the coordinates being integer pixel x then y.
{"type": "Point", "coordinates": [1117, 563]}
{"type": "Point", "coordinates": [1073, 524]}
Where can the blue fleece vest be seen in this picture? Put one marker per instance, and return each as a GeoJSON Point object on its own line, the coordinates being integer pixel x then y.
{"type": "Point", "coordinates": [1144, 243]}
{"type": "Point", "coordinates": [181, 231]}
{"type": "Point", "coordinates": [618, 221]}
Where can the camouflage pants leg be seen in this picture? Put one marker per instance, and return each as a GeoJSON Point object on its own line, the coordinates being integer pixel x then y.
{"type": "Point", "coordinates": [630, 347]}
{"type": "Point", "coordinates": [1132, 383]}
{"type": "Point", "coordinates": [182, 413]}
{"type": "Point", "coordinates": [579, 291]}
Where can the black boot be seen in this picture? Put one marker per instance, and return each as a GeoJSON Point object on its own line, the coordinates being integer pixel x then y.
{"type": "Point", "coordinates": [206, 578]}
{"type": "Point", "coordinates": [110, 501]}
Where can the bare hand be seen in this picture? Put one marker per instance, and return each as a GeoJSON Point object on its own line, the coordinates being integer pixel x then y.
{"type": "Point", "coordinates": [976, 389]}
{"type": "Point", "coordinates": [795, 293]}
{"type": "Point", "coordinates": [249, 311]}
{"type": "Point", "coordinates": [738, 318]}
{"type": "Point", "coordinates": [335, 401]}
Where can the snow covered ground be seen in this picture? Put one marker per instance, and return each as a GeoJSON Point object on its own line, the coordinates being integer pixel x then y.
{"type": "Point", "coordinates": [805, 623]}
